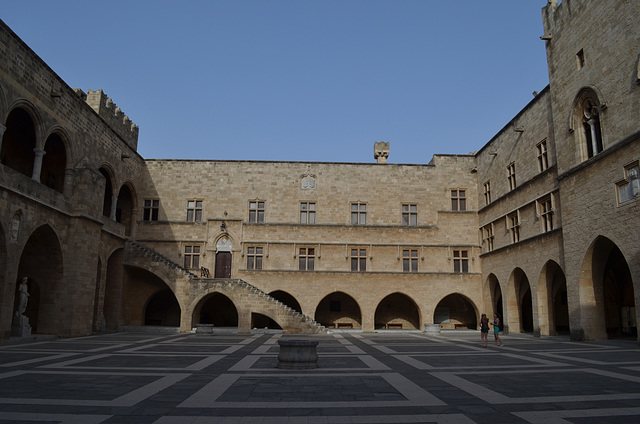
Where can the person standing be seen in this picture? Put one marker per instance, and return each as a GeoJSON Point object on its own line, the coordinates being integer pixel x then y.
{"type": "Point", "coordinates": [496, 330]}
{"type": "Point", "coordinates": [484, 329]}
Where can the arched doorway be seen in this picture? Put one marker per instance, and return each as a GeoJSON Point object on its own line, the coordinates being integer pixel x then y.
{"type": "Point", "coordinates": [339, 310]}
{"type": "Point", "coordinates": [216, 309]}
{"type": "Point", "coordinates": [125, 207]}
{"type": "Point", "coordinates": [287, 299]}
{"type": "Point", "coordinates": [397, 311]}
{"type": "Point", "coordinates": [495, 297]}
{"type": "Point", "coordinates": [456, 312]}
{"type": "Point", "coordinates": [41, 261]}
{"type": "Point", "coordinates": [619, 302]}
{"type": "Point", "coordinates": [18, 142]}
{"type": "Point", "coordinates": [223, 258]}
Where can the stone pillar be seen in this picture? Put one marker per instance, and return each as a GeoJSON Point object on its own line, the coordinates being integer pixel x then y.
{"type": "Point", "coordinates": [37, 164]}
{"type": "Point", "coordinates": [114, 207]}
{"type": "Point", "coordinates": [67, 188]}
{"type": "Point", "coordinates": [594, 139]}
{"type": "Point", "coordinates": [2, 130]}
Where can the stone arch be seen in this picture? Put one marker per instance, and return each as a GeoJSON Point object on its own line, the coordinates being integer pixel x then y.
{"type": "Point", "coordinates": [397, 310]}
{"type": "Point", "coordinates": [339, 310]}
{"type": "Point", "coordinates": [108, 174]}
{"type": "Point", "coordinates": [456, 311]}
{"type": "Point", "coordinates": [585, 122]}
{"type": "Point", "coordinates": [125, 207]}
{"type": "Point", "coordinates": [55, 162]}
{"type": "Point", "coordinates": [113, 291]}
{"type": "Point", "coordinates": [606, 292]}
{"type": "Point", "coordinates": [42, 261]}
{"type": "Point", "coordinates": [217, 309]}
{"type": "Point", "coordinates": [553, 310]}
{"type": "Point", "coordinates": [162, 309]}
{"type": "Point", "coordinates": [287, 299]}
{"type": "Point", "coordinates": [20, 139]}
{"type": "Point", "coordinates": [519, 303]}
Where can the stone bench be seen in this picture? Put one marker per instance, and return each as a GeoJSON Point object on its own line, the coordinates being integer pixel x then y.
{"type": "Point", "coordinates": [297, 354]}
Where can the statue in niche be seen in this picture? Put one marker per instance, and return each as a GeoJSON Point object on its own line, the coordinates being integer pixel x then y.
{"type": "Point", "coordinates": [23, 296]}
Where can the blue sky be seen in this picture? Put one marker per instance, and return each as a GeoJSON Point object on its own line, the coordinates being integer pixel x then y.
{"type": "Point", "coordinates": [297, 80]}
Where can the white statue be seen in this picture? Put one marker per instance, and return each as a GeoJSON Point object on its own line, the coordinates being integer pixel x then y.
{"type": "Point", "coordinates": [23, 296]}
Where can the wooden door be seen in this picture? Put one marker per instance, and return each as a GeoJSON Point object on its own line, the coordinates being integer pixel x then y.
{"type": "Point", "coordinates": [223, 265]}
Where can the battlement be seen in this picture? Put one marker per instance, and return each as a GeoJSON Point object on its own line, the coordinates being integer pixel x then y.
{"type": "Point", "coordinates": [113, 116]}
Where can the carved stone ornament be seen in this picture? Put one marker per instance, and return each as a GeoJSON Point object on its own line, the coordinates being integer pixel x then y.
{"type": "Point", "coordinates": [223, 245]}
{"type": "Point", "coordinates": [308, 181]}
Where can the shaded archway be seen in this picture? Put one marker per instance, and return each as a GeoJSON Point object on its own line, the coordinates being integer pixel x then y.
{"type": "Point", "coordinates": [42, 262]}
{"type": "Point", "coordinates": [494, 297]}
{"type": "Point", "coordinates": [19, 142]}
{"type": "Point", "coordinates": [339, 310]}
{"type": "Point", "coordinates": [520, 302]}
{"type": "Point", "coordinates": [397, 310]}
{"type": "Point", "coordinates": [553, 310]}
{"type": "Point", "coordinates": [259, 321]}
{"type": "Point", "coordinates": [457, 312]}
{"type": "Point", "coordinates": [108, 192]}
{"type": "Point", "coordinates": [216, 309]}
{"type": "Point", "coordinates": [618, 295]}
{"type": "Point", "coordinates": [162, 309]}
{"type": "Point", "coordinates": [287, 299]}
{"type": "Point", "coordinates": [54, 163]}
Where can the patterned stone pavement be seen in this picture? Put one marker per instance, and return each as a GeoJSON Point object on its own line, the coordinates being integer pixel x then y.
{"type": "Point", "coordinates": [394, 377]}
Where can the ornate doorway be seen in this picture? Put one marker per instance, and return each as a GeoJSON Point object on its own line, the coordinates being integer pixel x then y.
{"type": "Point", "coordinates": [223, 259]}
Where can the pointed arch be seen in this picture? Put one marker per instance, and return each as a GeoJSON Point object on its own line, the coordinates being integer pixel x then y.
{"type": "Point", "coordinates": [397, 310]}
{"type": "Point", "coordinates": [339, 310]}
{"type": "Point", "coordinates": [457, 311]}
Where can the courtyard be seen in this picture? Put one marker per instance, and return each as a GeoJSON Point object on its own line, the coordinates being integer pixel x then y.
{"type": "Point", "coordinates": [383, 377]}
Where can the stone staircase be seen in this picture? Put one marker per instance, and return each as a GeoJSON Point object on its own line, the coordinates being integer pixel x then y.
{"type": "Point", "coordinates": [247, 298]}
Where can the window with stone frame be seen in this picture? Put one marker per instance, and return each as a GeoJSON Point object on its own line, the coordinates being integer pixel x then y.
{"type": "Point", "coordinates": [511, 175]}
{"type": "Point", "coordinates": [358, 259]}
{"type": "Point", "coordinates": [546, 212]}
{"type": "Point", "coordinates": [194, 210]}
{"type": "Point", "coordinates": [461, 261]}
{"type": "Point", "coordinates": [487, 193]}
{"type": "Point", "coordinates": [410, 260]}
{"type": "Point", "coordinates": [586, 124]}
{"type": "Point", "coordinates": [358, 213]}
{"type": "Point", "coordinates": [256, 212]}
{"type": "Point", "coordinates": [307, 212]}
{"type": "Point", "coordinates": [543, 160]}
{"type": "Point", "coordinates": [629, 187]}
{"type": "Point", "coordinates": [513, 222]}
{"type": "Point", "coordinates": [409, 214]}
{"type": "Point", "coordinates": [489, 236]}
{"type": "Point", "coordinates": [458, 200]}
{"type": "Point", "coordinates": [151, 209]}
{"type": "Point", "coordinates": [192, 256]}
{"type": "Point", "coordinates": [306, 258]}
{"type": "Point", "coordinates": [254, 257]}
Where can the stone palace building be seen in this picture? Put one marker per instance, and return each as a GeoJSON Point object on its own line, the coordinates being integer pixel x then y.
{"type": "Point", "coordinates": [540, 225]}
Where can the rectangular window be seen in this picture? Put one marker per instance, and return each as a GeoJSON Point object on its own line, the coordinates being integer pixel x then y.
{"type": "Point", "coordinates": [409, 214]}
{"type": "Point", "coordinates": [511, 176]}
{"type": "Point", "coordinates": [306, 258]}
{"type": "Point", "coordinates": [543, 162]}
{"type": "Point", "coordinates": [256, 212]}
{"type": "Point", "coordinates": [358, 213]}
{"type": "Point", "coordinates": [487, 193]}
{"type": "Point", "coordinates": [460, 261]}
{"type": "Point", "coordinates": [410, 260]}
{"type": "Point", "coordinates": [151, 208]}
{"type": "Point", "coordinates": [458, 200]}
{"type": "Point", "coordinates": [307, 213]}
{"type": "Point", "coordinates": [514, 226]}
{"type": "Point", "coordinates": [254, 257]}
{"type": "Point", "coordinates": [192, 257]}
{"type": "Point", "coordinates": [489, 237]}
{"type": "Point", "coordinates": [194, 211]}
{"type": "Point", "coordinates": [629, 187]}
{"type": "Point", "coordinates": [358, 259]}
{"type": "Point", "coordinates": [546, 214]}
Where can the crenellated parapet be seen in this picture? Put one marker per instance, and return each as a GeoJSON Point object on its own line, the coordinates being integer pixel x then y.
{"type": "Point", "coordinates": [113, 116]}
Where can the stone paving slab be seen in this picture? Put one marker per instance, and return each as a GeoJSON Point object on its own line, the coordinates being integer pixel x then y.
{"type": "Point", "coordinates": [394, 377]}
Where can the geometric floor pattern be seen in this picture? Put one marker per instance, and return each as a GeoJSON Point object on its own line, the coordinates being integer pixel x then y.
{"type": "Point", "coordinates": [386, 377]}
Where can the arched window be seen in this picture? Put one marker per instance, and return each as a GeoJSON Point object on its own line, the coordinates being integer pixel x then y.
{"type": "Point", "coordinates": [587, 123]}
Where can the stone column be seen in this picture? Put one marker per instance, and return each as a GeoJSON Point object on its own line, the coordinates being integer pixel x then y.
{"type": "Point", "coordinates": [114, 207]}
{"type": "Point", "coordinates": [37, 164]}
{"type": "Point", "coordinates": [594, 140]}
{"type": "Point", "coordinates": [2, 130]}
